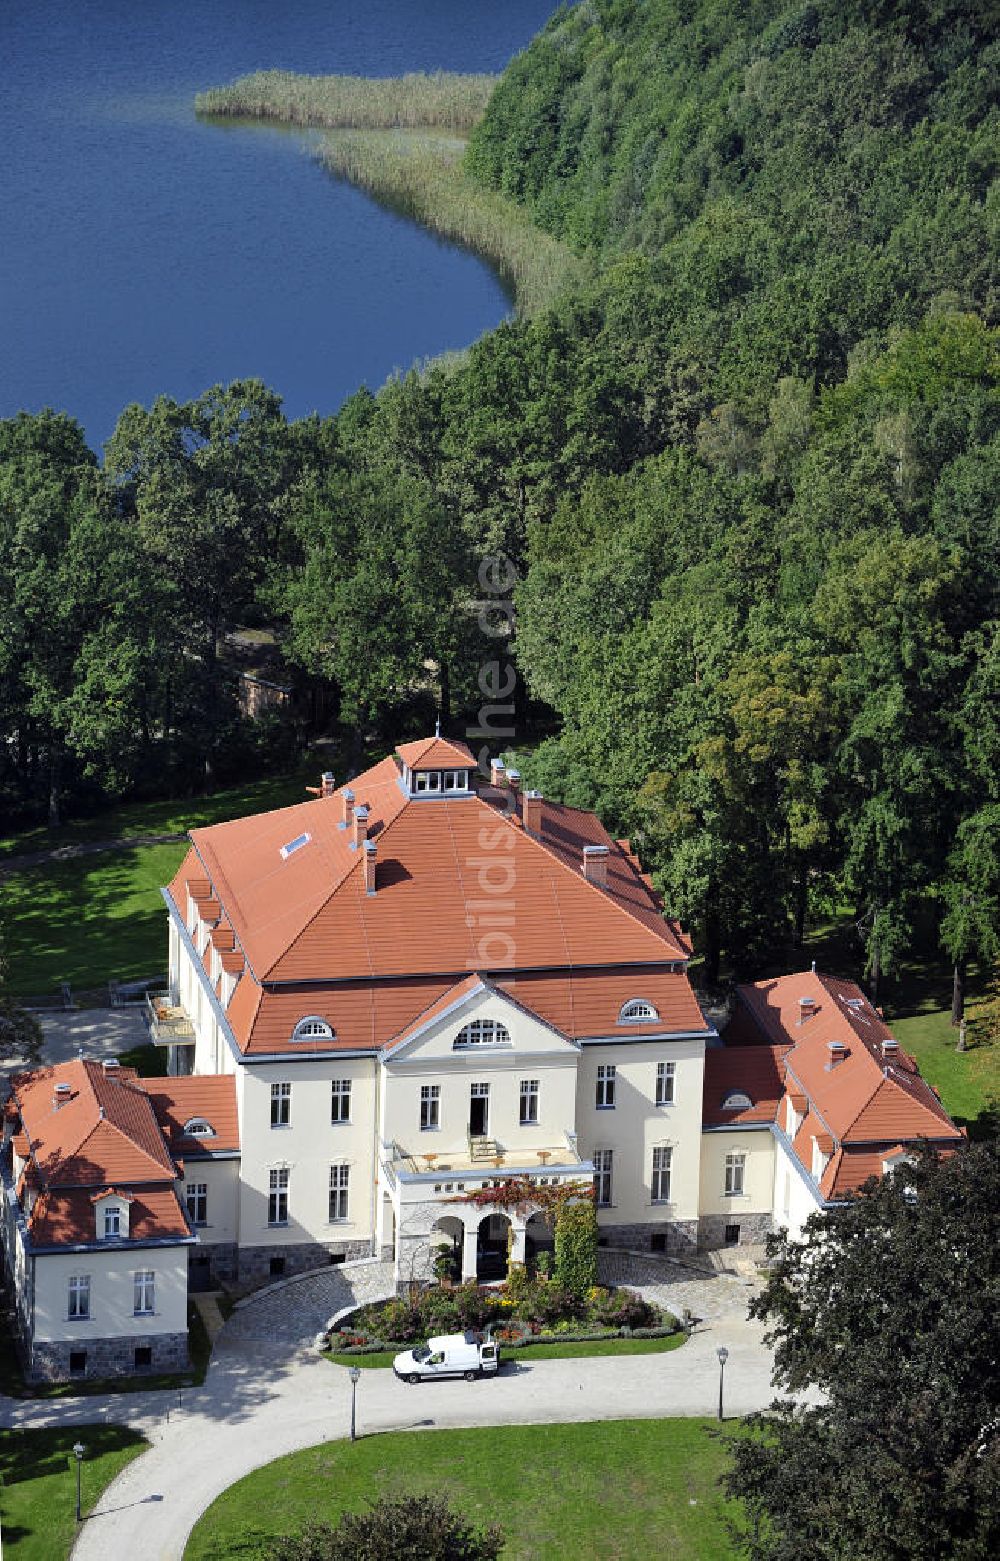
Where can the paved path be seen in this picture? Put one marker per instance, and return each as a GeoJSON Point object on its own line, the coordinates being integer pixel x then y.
{"type": "Point", "coordinates": [75, 848]}
{"type": "Point", "coordinates": [268, 1393]}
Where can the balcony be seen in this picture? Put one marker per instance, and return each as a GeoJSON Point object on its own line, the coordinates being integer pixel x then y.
{"type": "Point", "coordinates": [167, 1020]}
{"type": "Point", "coordinates": [481, 1159]}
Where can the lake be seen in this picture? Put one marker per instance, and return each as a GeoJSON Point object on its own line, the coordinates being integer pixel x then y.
{"type": "Point", "coordinates": [145, 253]}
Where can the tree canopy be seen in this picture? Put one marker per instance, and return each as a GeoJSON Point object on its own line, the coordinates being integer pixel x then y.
{"type": "Point", "coordinates": [888, 1308]}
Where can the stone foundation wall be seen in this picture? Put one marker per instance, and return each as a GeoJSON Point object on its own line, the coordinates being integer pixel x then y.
{"type": "Point", "coordinates": [254, 1263]}
{"type": "Point", "coordinates": [50, 1362]}
{"type": "Point", "coordinates": [753, 1228]}
{"type": "Point", "coordinates": [679, 1237]}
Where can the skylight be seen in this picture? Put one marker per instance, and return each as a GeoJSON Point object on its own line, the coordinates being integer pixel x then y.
{"type": "Point", "coordinates": [294, 845]}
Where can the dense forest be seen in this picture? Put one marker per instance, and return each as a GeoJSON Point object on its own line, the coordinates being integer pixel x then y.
{"type": "Point", "coordinates": [746, 471]}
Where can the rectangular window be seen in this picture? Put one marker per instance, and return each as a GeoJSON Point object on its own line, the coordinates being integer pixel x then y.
{"type": "Point", "coordinates": [281, 1105]}
{"type": "Point", "coordinates": [340, 1176]}
{"type": "Point", "coordinates": [143, 1357]}
{"type": "Point", "coordinates": [529, 1102]}
{"type": "Point", "coordinates": [78, 1363]}
{"type": "Point", "coordinates": [145, 1292]}
{"type": "Point", "coordinates": [79, 1296]}
{"type": "Point", "coordinates": [430, 1106]}
{"type": "Point", "coordinates": [661, 1175]}
{"type": "Point", "coordinates": [112, 1222]}
{"type": "Point", "coordinates": [665, 1083]}
{"type": "Point", "coordinates": [605, 1086]}
{"type": "Point", "coordinates": [602, 1176]}
{"type": "Point", "coordinates": [340, 1100]}
{"type": "Point", "coordinates": [277, 1198]}
{"type": "Point", "coordinates": [196, 1194]}
{"type": "Point", "coordinates": [735, 1168]}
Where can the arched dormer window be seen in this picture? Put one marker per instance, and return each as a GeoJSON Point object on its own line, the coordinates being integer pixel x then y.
{"type": "Point", "coordinates": [197, 1127]}
{"type": "Point", "coordinates": [638, 1010]}
{"type": "Point", "coordinates": [312, 1029]}
{"type": "Point", "coordinates": [482, 1032]}
{"type": "Point", "coordinates": [737, 1100]}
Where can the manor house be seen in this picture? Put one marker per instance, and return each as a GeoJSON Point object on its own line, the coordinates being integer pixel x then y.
{"type": "Point", "coordinates": [390, 995]}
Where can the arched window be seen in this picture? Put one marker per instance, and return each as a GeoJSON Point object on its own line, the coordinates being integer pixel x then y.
{"type": "Point", "coordinates": [312, 1029]}
{"type": "Point", "coordinates": [482, 1032]}
{"type": "Point", "coordinates": [197, 1127]}
{"type": "Point", "coordinates": [737, 1100]}
{"type": "Point", "coordinates": [638, 1010]}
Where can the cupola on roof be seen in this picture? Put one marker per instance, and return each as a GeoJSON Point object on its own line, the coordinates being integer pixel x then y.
{"type": "Point", "coordinates": [436, 753]}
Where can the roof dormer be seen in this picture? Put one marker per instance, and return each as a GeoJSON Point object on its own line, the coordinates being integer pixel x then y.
{"type": "Point", "coordinates": [111, 1215]}
{"type": "Point", "coordinates": [436, 768]}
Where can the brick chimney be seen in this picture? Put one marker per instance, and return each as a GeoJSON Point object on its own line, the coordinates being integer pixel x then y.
{"type": "Point", "coordinates": [371, 856]}
{"type": "Point", "coordinates": [360, 826]}
{"type": "Point", "coordinates": [347, 808]}
{"type": "Point", "coordinates": [513, 779]}
{"type": "Point", "coordinates": [498, 773]}
{"type": "Point", "coordinates": [807, 1007]}
{"type": "Point", "coordinates": [327, 784]}
{"type": "Point", "coordinates": [838, 1051]}
{"type": "Point", "coordinates": [595, 864]}
{"type": "Point", "coordinates": [532, 812]}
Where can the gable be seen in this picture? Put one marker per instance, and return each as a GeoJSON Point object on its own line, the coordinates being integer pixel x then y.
{"type": "Point", "coordinates": [478, 1024]}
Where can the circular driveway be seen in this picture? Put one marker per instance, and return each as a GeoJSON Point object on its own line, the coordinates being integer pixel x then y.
{"type": "Point", "coordinates": [261, 1400]}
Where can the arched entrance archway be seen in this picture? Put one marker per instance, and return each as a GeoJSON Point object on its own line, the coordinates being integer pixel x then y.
{"type": "Point", "coordinates": [448, 1231]}
{"type": "Point", "coordinates": [539, 1237]}
{"type": "Point", "coordinates": [493, 1247]}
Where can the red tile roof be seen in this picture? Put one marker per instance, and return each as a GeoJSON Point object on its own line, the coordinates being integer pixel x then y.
{"type": "Point", "coordinates": [436, 753]}
{"type": "Point", "coordinates": [211, 1097]}
{"type": "Point", "coordinates": [870, 1100]}
{"type": "Point", "coordinates": [66, 1217]}
{"type": "Point", "coordinates": [105, 1132]}
{"type": "Point", "coordinates": [755, 1071]}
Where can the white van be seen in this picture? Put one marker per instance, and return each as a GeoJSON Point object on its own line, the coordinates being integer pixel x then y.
{"type": "Point", "coordinates": [467, 1355]}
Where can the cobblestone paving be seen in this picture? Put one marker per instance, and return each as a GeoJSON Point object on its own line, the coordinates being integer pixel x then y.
{"type": "Point", "coordinates": [293, 1312]}
{"type": "Point", "coordinates": [677, 1286]}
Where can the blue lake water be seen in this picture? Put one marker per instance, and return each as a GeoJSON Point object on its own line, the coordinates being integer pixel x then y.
{"type": "Point", "coordinates": [144, 253]}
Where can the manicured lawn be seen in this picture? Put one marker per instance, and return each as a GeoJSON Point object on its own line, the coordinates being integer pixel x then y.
{"type": "Point", "coordinates": [555, 1351]}
{"type": "Point", "coordinates": [38, 1497]}
{"type": "Point", "coordinates": [614, 1490]}
{"type": "Point", "coordinates": [89, 920]}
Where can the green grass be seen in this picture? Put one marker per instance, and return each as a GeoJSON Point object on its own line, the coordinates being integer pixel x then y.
{"type": "Point", "coordinates": [38, 1498]}
{"type": "Point", "coordinates": [547, 1485]}
{"type": "Point", "coordinates": [545, 1351]}
{"type": "Point", "coordinates": [13, 1385]}
{"type": "Point", "coordinates": [442, 99]}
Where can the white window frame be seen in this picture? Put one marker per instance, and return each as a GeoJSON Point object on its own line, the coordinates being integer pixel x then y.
{"type": "Point", "coordinates": [340, 1193]}
{"type": "Point", "coordinates": [430, 1108]}
{"type": "Point", "coordinates": [277, 1196]}
{"type": "Point", "coordinates": [662, 1170]}
{"type": "Point", "coordinates": [736, 1173]}
{"type": "Point", "coordinates": [528, 1096]}
{"type": "Point", "coordinates": [638, 1010]}
{"type": "Point", "coordinates": [78, 1298]}
{"type": "Point", "coordinates": [312, 1028]}
{"type": "Point", "coordinates": [604, 1170]}
{"type": "Point", "coordinates": [281, 1104]}
{"type": "Point", "coordinates": [666, 1083]}
{"type": "Point", "coordinates": [481, 1032]}
{"type": "Point", "coordinates": [607, 1077]}
{"type": "Point", "coordinates": [197, 1127]}
{"type": "Point", "coordinates": [143, 1292]}
{"type": "Point", "coordinates": [737, 1100]}
{"type": "Point", "coordinates": [340, 1100]}
{"type": "Point", "coordinates": [112, 1221]}
{"type": "Point", "coordinates": [195, 1197]}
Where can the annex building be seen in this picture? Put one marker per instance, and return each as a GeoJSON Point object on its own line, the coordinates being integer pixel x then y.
{"type": "Point", "coordinates": [387, 996]}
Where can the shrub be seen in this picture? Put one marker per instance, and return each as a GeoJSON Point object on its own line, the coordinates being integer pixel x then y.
{"type": "Point", "coordinates": [393, 1529]}
{"type": "Point", "coordinates": [554, 1303]}
{"type": "Point", "coordinates": [576, 1245]}
{"type": "Point", "coordinates": [476, 1308]}
{"type": "Point", "coordinates": [625, 1309]}
{"type": "Point", "coordinates": [398, 1320]}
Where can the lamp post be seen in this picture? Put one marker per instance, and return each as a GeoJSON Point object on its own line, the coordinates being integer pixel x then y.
{"type": "Point", "coordinates": [355, 1376]}
{"type": "Point", "coordinates": [723, 1355]}
{"type": "Point", "coordinates": [78, 1451]}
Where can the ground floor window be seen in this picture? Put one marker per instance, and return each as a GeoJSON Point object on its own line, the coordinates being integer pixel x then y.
{"type": "Point", "coordinates": [735, 1170]}
{"type": "Point", "coordinates": [277, 1198]}
{"type": "Point", "coordinates": [144, 1291]}
{"type": "Point", "coordinates": [661, 1175]}
{"type": "Point", "coordinates": [77, 1363]}
{"type": "Point", "coordinates": [79, 1296]}
{"type": "Point", "coordinates": [602, 1176]}
{"type": "Point", "coordinates": [732, 1235]}
{"type": "Point", "coordinates": [340, 1176]}
{"type": "Point", "coordinates": [529, 1102]}
{"type": "Point", "coordinates": [143, 1357]}
{"type": "Point", "coordinates": [276, 1267]}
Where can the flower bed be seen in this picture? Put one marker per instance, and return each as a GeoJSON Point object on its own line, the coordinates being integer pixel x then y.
{"type": "Point", "coordinates": [521, 1312]}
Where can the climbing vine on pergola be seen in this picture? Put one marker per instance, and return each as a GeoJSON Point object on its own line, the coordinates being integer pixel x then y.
{"type": "Point", "coordinates": [521, 1195]}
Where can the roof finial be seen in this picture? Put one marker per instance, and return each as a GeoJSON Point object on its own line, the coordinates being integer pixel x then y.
{"type": "Point", "coordinates": [437, 727]}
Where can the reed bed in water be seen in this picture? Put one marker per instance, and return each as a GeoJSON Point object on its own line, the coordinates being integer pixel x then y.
{"type": "Point", "coordinates": [440, 101]}
{"type": "Point", "coordinates": [423, 176]}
